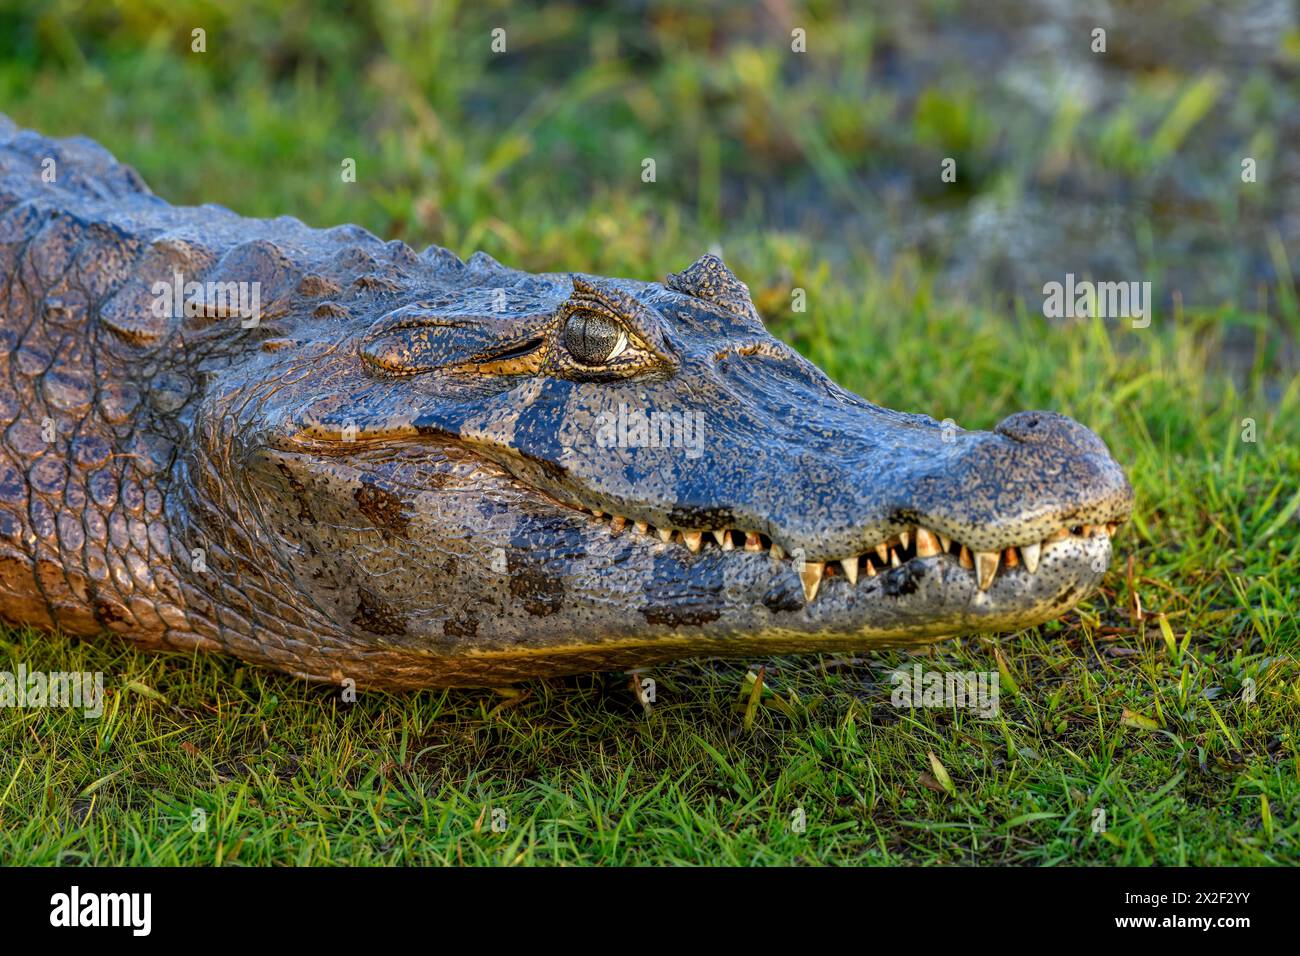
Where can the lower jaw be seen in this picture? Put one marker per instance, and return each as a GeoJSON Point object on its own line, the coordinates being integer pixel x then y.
{"type": "Point", "coordinates": [924, 600]}
{"type": "Point", "coordinates": [936, 594]}
{"type": "Point", "coordinates": [871, 616]}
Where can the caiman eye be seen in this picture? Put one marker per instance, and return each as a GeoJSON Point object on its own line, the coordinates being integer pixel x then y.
{"type": "Point", "coordinates": [592, 338]}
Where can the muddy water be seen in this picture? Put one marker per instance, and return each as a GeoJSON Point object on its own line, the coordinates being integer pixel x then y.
{"type": "Point", "coordinates": [1146, 184]}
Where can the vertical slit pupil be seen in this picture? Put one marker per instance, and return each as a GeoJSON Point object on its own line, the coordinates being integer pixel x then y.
{"type": "Point", "coordinates": [591, 337]}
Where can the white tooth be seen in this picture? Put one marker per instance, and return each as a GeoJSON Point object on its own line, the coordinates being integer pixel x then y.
{"type": "Point", "coordinates": [777, 551]}
{"type": "Point", "coordinates": [617, 525]}
{"type": "Point", "coordinates": [1031, 552]}
{"type": "Point", "coordinates": [724, 540]}
{"type": "Point", "coordinates": [945, 542]}
{"type": "Point", "coordinates": [642, 526]}
{"type": "Point", "coordinates": [905, 536]}
{"type": "Point", "coordinates": [893, 559]}
{"type": "Point", "coordinates": [753, 542]}
{"type": "Point", "coordinates": [693, 539]}
{"type": "Point", "coordinates": [666, 535]}
{"type": "Point", "coordinates": [871, 568]}
{"type": "Point", "coordinates": [850, 566]}
{"type": "Point", "coordinates": [927, 545]}
{"type": "Point", "coordinates": [811, 576]}
{"type": "Point", "coordinates": [964, 559]}
{"type": "Point", "coordinates": [1110, 530]}
{"type": "Point", "coordinates": [882, 552]}
{"type": "Point", "coordinates": [986, 568]}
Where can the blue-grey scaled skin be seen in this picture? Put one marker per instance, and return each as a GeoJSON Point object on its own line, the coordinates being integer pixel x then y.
{"type": "Point", "coordinates": [416, 471]}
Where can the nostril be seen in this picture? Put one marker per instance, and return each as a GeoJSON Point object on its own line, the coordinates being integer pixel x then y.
{"type": "Point", "coordinates": [1048, 428]}
{"type": "Point", "coordinates": [1035, 426]}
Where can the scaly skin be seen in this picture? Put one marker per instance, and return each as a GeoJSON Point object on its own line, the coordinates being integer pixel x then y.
{"type": "Point", "coordinates": [391, 477]}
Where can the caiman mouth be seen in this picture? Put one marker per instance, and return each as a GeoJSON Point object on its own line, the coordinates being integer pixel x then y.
{"type": "Point", "coordinates": [911, 544]}
{"type": "Point", "coordinates": [967, 569]}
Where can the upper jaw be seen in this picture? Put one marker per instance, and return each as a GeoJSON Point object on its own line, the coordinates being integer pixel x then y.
{"type": "Point", "coordinates": [992, 502]}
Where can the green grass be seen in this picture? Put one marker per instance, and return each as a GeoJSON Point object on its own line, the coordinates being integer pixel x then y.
{"type": "Point", "coordinates": [1179, 722]}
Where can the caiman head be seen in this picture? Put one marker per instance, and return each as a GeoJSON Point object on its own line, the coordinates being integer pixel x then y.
{"type": "Point", "coordinates": [540, 474]}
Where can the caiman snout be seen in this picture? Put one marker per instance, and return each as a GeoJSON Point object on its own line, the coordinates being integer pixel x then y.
{"type": "Point", "coordinates": [865, 491]}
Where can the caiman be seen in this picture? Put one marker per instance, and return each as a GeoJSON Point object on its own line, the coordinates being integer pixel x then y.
{"type": "Point", "coordinates": [332, 455]}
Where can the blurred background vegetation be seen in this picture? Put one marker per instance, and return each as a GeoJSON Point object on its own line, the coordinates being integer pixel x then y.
{"type": "Point", "coordinates": [1117, 165]}
{"type": "Point", "coordinates": [819, 170]}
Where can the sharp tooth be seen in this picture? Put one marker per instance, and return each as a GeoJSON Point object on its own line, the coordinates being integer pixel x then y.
{"type": "Point", "coordinates": [882, 552]}
{"type": "Point", "coordinates": [666, 535]}
{"type": "Point", "coordinates": [1009, 558]}
{"type": "Point", "coordinates": [811, 576]}
{"type": "Point", "coordinates": [905, 536]}
{"type": "Point", "coordinates": [724, 540]}
{"type": "Point", "coordinates": [893, 559]}
{"type": "Point", "coordinates": [927, 545]}
{"type": "Point", "coordinates": [945, 542]}
{"type": "Point", "coordinates": [693, 540]}
{"type": "Point", "coordinates": [753, 542]}
{"type": "Point", "coordinates": [964, 559]}
{"type": "Point", "coordinates": [642, 526]}
{"type": "Point", "coordinates": [777, 552]}
{"type": "Point", "coordinates": [1110, 530]}
{"type": "Point", "coordinates": [850, 566]}
{"type": "Point", "coordinates": [871, 568]}
{"type": "Point", "coordinates": [1031, 552]}
{"type": "Point", "coordinates": [986, 565]}
{"type": "Point", "coordinates": [617, 525]}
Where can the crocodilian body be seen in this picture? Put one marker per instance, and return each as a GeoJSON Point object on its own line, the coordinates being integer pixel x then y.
{"type": "Point", "coordinates": [410, 470]}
